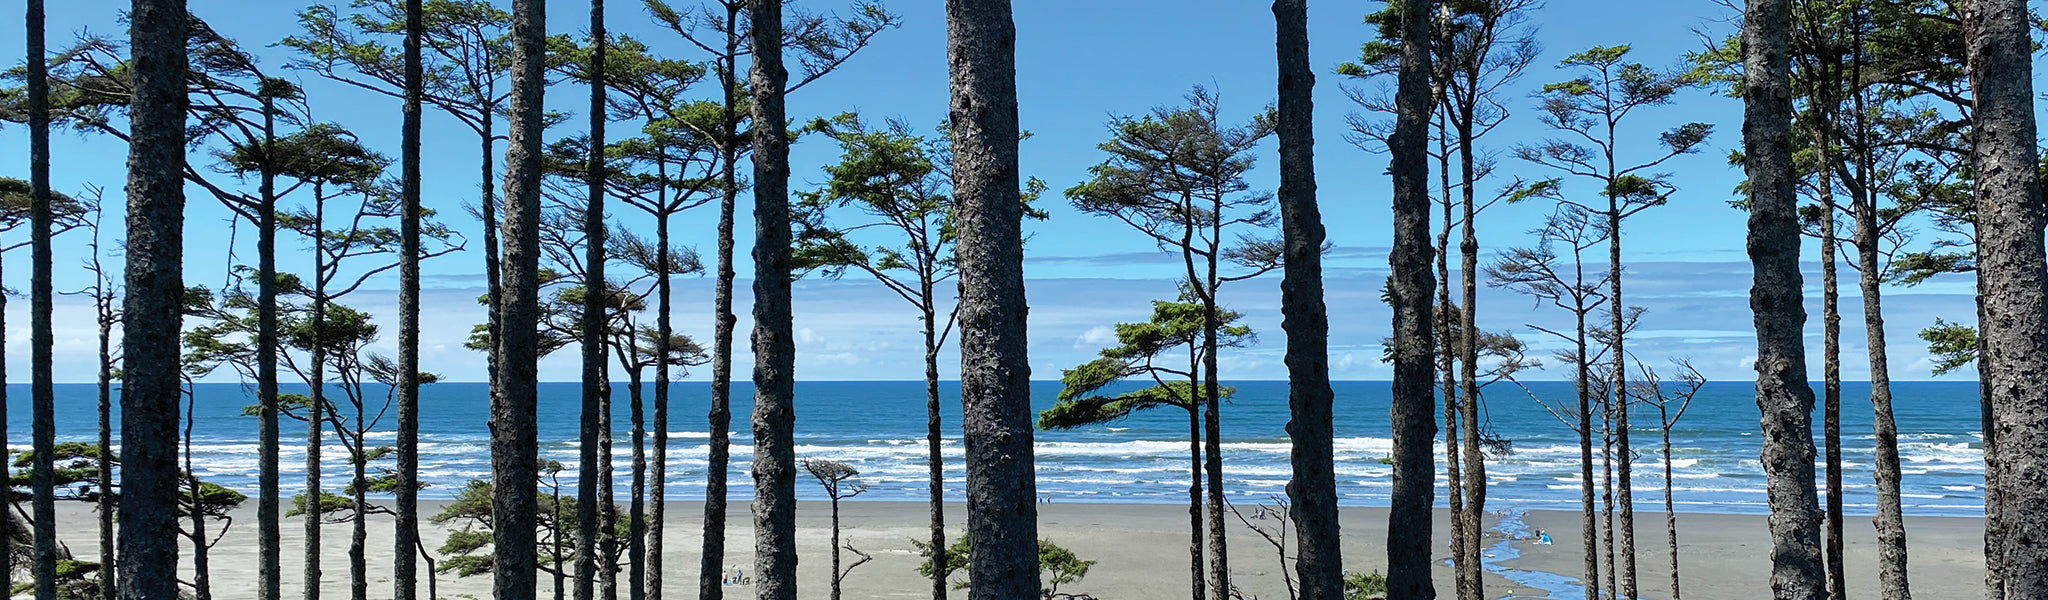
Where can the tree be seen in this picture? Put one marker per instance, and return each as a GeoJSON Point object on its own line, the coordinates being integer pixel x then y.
{"type": "Point", "coordinates": [1310, 426]}
{"type": "Point", "coordinates": [1782, 392]}
{"type": "Point", "coordinates": [596, 388]}
{"type": "Point", "coordinates": [670, 169]}
{"type": "Point", "coordinates": [1671, 405]}
{"type": "Point", "coordinates": [472, 55]}
{"type": "Point", "coordinates": [1591, 107]}
{"type": "Point", "coordinates": [95, 81]}
{"type": "Point", "coordinates": [2013, 281]}
{"type": "Point", "coordinates": [43, 336]}
{"type": "Point", "coordinates": [1141, 353]}
{"type": "Point", "coordinates": [326, 157]}
{"type": "Point", "coordinates": [1549, 276]}
{"type": "Point", "coordinates": [774, 342]}
{"type": "Point", "coordinates": [1414, 345]}
{"type": "Point", "coordinates": [834, 476]}
{"type": "Point", "coordinates": [106, 295]}
{"type": "Point", "coordinates": [822, 44]}
{"type": "Point", "coordinates": [155, 283]}
{"type": "Point", "coordinates": [995, 370]}
{"type": "Point", "coordinates": [514, 443]}
{"type": "Point", "coordinates": [901, 183]}
{"type": "Point", "coordinates": [1177, 176]}
{"type": "Point", "coordinates": [405, 569]}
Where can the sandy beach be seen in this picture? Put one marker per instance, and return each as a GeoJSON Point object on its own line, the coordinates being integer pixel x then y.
{"type": "Point", "coordinates": [1140, 549]}
{"type": "Point", "coordinates": [1727, 557]}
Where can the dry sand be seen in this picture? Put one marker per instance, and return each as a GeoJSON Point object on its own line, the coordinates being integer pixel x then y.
{"type": "Point", "coordinates": [1728, 557]}
{"type": "Point", "coordinates": [1141, 551]}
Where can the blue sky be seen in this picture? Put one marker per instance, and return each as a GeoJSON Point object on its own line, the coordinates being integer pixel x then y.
{"type": "Point", "coordinates": [1079, 63]}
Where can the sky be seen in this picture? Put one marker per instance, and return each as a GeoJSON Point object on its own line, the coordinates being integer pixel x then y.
{"type": "Point", "coordinates": [1080, 64]}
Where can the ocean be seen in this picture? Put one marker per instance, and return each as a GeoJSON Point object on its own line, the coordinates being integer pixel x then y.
{"type": "Point", "coordinates": [878, 427]}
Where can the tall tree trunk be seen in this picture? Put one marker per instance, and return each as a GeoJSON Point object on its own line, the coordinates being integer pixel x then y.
{"type": "Point", "coordinates": [2013, 280]}
{"type": "Point", "coordinates": [514, 445]}
{"type": "Point", "coordinates": [995, 370]}
{"type": "Point", "coordinates": [711, 569]}
{"type": "Point", "coordinates": [658, 496]}
{"type": "Point", "coordinates": [1448, 356]}
{"type": "Point", "coordinates": [1471, 586]}
{"type": "Point", "coordinates": [595, 326]}
{"type": "Point", "coordinates": [155, 283]}
{"type": "Point", "coordinates": [835, 546]}
{"type": "Point", "coordinates": [42, 479]}
{"type": "Point", "coordinates": [636, 513]}
{"type": "Point", "coordinates": [1607, 492]}
{"type": "Point", "coordinates": [1670, 514]}
{"type": "Point", "coordinates": [1589, 526]}
{"type": "Point", "coordinates": [1624, 454]}
{"type": "Point", "coordinates": [1891, 521]}
{"type": "Point", "coordinates": [1408, 527]}
{"type": "Point", "coordinates": [405, 546]}
{"type": "Point", "coordinates": [937, 460]}
{"type": "Point", "coordinates": [607, 510]}
{"type": "Point", "coordinates": [316, 407]}
{"type": "Point", "coordinates": [1831, 359]}
{"type": "Point", "coordinates": [202, 570]}
{"type": "Point", "coordinates": [359, 536]}
{"type": "Point", "coordinates": [775, 555]}
{"type": "Point", "coordinates": [108, 566]}
{"type": "Point", "coordinates": [1220, 587]}
{"type": "Point", "coordinates": [1783, 395]}
{"type": "Point", "coordinates": [1312, 490]}
{"type": "Point", "coordinates": [1197, 583]}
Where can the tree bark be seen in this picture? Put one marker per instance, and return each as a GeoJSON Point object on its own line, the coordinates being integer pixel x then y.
{"type": "Point", "coordinates": [995, 370]}
{"type": "Point", "coordinates": [1589, 525]}
{"type": "Point", "coordinates": [1312, 491]}
{"type": "Point", "coordinates": [1408, 528]}
{"type": "Point", "coordinates": [315, 418]}
{"type": "Point", "coordinates": [1197, 584]}
{"type": "Point", "coordinates": [595, 326]}
{"type": "Point", "coordinates": [1831, 356]}
{"type": "Point", "coordinates": [1783, 396]}
{"type": "Point", "coordinates": [1220, 587]}
{"type": "Point", "coordinates": [513, 421]}
{"type": "Point", "coordinates": [1670, 514]}
{"type": "Point", "coordinates": [775, 555]}
{"type": "Point", "coordinates": [1472, 587]}
{"type": "Point", "coordinates": [155, 284]}
{"type": "Point", "coordinates": [1624, 455]}
{"type": "Point", "coordinates": [42, 478]}
{"type": "Point", "coordinates": [937, 460]}
{"type": "Point", "coordinates": [109, 567]}
{"type": "Point", "coordinates": [1891, 521]}
{"type": "Point", "coordinates": [2013, 281]}
{"type": "Point", "coordinates": [711, 568]}
{"type": "Point", "coordinates": [405, 545]}
{"type": "Point", "coordinates": [1448, 355]}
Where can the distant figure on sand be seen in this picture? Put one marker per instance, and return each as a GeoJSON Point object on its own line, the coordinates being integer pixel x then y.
{"type": "Point", "coordinates": [1542, 538]}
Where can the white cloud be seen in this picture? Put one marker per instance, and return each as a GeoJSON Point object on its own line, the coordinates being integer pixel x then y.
{"type": "Point", "coordinates": [1096, 337]}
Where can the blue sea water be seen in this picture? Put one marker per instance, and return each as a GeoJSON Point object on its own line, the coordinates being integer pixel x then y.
{"type": "Point", "coordinates": [878, 427]}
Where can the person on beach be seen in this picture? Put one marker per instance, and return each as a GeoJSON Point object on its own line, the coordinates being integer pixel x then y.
{"type": "Point", "coordinates": [1542, 538]}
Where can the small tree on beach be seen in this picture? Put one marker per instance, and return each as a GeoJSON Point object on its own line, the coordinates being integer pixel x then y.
{"type": "Point", "coordinates": [837, 479]}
